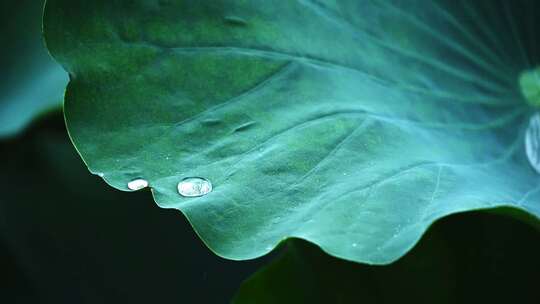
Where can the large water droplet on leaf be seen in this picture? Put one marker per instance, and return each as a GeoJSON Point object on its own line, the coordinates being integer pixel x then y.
{"type": "Point", "coordinates": [194, 186]}
{"type": "Point", "coordinates": [532, 142]}
{"type": "Point", "coordinates": [137, 184]}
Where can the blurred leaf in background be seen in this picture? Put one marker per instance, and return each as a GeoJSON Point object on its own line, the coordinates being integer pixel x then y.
{"type": "Point", "coordinates": [476, 257]}
{"type": "Point", "coordinates": [31, 82]}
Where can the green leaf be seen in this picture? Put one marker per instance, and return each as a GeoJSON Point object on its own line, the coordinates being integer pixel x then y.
{"type": "Point", "coordinates": [352, 124]}
{"type": "Point", "coordinates": [32, 83]}
{"type": "Point", "coordinates": [465, 258]}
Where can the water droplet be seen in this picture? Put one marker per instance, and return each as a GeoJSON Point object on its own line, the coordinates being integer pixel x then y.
{"type": "Point", "coordinates": [354, 244]}
{"type": "Point", "coordinates": [194, 186]}
{"type": "Point", "coordinates": [137, 184]}
{"type": "Point", "coordinates": [532, 142]}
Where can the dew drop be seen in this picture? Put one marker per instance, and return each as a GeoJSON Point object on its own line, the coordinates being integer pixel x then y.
{"type": "Point", "coordinates": [532, 142]}
{"type": "Point", "coordinates": [194, 186]}
{"type": "Point", "coordinates": [137, 184]}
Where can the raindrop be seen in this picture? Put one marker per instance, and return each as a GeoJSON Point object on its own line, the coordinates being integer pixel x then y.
{"type": "Point", "coordinates": [194, 186]}
{"type": "Point", "coordinates": [354, 244]}
{"type": "Point", "coordinates": [137, 184]}
{"type": "Point", "coordinates": [532, 142]}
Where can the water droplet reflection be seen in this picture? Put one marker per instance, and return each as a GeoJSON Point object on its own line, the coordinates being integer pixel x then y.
{"type": "Point", "coordinates": [137, 184]}
{"type": "Point", "coordinates": [532, 142]}
{"type": "Point", "coordinates": [194, 186]}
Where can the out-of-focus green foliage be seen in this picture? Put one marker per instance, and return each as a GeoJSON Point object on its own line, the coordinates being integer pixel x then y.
{"type": "Point", "coordinates": [31, 83]}
{"type": "Point", "coordinates": [352, 124]}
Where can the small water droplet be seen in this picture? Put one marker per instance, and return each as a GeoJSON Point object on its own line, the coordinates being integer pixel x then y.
{"type": "Point", "coordinates": [137, 184]}
{"type": "Point", "coordinates": [194, 186]}
{"type": "Point", "coordinates": [532, 142]}
{"type": "Point", "coordinates": [354, 244]}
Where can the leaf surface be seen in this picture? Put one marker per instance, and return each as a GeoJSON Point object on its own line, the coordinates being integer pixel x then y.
{"type": "Point", "coordinates": [352, 124]}
{"type": "Point", "coordinates": [31, 82]}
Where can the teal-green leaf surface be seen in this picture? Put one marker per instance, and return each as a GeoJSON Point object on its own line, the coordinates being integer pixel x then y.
{"type": "Point", "coordinates": [32, 83]}
{"type": "Point", "coordinates": [351, 124]}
